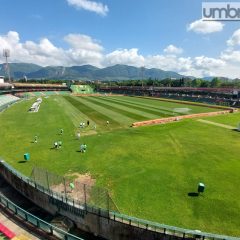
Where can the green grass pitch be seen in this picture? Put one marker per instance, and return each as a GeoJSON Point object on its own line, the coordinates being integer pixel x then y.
{"type": "Point", "coordinates": [149, 171]}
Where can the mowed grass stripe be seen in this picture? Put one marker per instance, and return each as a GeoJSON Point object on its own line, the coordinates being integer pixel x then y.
{"type": "Point", "coordinates": [147, 109]}
{"type": "Point", "coordinates": [164, 110]}
{"type": "Point", "coordinates": [150, 102]}
{"type": "Point", "coordinates": [166, 106]}
{"type": "Point", "coordinates": [124, 121]}
{"type": "Point", "coordinates": [144, 115]}
{"type": "Point", "coordinates": [73, 112]}
{"type": "Point", "coordinates": [172, 105]}
{"type": "Point", "coordinates": [98, 117]}
{"type": "Point", "coordinates": [114, 108]}
{"type": "Point", "coordinates": [117, 116]}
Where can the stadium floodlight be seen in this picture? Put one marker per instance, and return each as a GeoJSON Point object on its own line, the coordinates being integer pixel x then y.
{"type": "Point", "coordinates": [142, 71]}
{"type": "Point", "coordinates": [6, 55]}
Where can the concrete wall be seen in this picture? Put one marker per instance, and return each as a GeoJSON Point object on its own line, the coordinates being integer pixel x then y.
{"type": "Point", "coordinates": [93, 220]}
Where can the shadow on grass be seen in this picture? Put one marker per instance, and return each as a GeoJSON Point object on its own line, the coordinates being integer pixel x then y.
{"type": "Point", "coordinates": [193, 194]}
{"type": "Point", "coordinates": [54, 148]}
{"type": "Point", "coordinates": [22, 161]}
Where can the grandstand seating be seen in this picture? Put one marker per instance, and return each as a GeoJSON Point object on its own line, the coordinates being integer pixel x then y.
{"type": "Point", "coordinates": [199, 99]}
{"type": "Point", "coordinates": [7, 99]}
{"type": "Point", "coordinates": [42, 94]}
{"type": "Point", "coordinates": [82, 89]}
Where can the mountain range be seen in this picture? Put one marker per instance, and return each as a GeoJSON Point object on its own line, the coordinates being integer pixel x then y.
{"type": "Point", "coordinates": [85, 72]}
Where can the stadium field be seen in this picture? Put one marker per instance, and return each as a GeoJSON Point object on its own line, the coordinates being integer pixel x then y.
{"type": "Point", "coordinates": [150, 171]}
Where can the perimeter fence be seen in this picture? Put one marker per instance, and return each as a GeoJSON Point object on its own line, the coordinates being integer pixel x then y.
{"type": "Point", "coordinates": [85, 194]}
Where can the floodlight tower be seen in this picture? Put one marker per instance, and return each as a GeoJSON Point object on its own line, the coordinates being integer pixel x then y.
{"type": "Point", "coordinates": [142, 72]}
{"type": "Point", "coordinates": [6, 55]}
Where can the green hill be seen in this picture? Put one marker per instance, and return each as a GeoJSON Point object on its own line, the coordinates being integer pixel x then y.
{"type": "Point", "coordinates": [86, 72]}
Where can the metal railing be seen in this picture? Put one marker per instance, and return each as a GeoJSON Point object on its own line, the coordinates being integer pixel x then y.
{"type": "Point", "coordinates": [166, 229]}
{"type": "Point", "coordinates": [75, 206]}
{"type": "Point", "coordinates": [37, 222]}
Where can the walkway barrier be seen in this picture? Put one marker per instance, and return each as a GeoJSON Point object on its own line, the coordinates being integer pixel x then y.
{"type": "Point", "coordinates": [177, 118]}
{"type": "Point", "coordinates": [37, 222]}
{"type": "Point", "coordinates": [166, 229]}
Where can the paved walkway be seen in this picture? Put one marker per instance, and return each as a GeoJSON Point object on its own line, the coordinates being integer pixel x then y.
{"type": "Point", "coordinates": [216, 124]}
{"type": "Point", "coordinates": [22, 229]}
{"type": "Point", "coordinates": [11, 225]}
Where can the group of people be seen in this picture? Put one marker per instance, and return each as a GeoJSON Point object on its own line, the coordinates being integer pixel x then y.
{"type": "Point", "coordinates": [58, 144]}
{"type": "Point", "coordinates": [82, 124]}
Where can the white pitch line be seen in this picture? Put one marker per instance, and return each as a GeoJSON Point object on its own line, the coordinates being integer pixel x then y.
{"type": "Point", "coordinates": [216, 124]}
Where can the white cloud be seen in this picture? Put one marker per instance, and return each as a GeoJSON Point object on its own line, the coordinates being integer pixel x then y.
{"type": "Point", "coordinates": [124, 56]}
{"type": "Point", "coordinates": [235, 39]}
{"type": "Point", "coordinates": [205, 27]}
{"type": "Point", "coordinates": [80, 41]}
{"type": "Point", "coordinates": [168, 62]}
{"type": "Point", "coordinates": [171, 49]}
{"type": "Point", "coordinates": [203, 62]}
{"type": "Point", "coordinates": [231, 56]}
{"type": "Point", "coordinates": [89, 5]}
{"type": "Point", "coordinates": [83, 49]}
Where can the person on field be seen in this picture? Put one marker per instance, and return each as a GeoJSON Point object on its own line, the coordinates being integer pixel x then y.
{"type": "Point", "coordinates": [35, 139]}
{"type": "Point", "coordinates": [61, 131]}
{"type": "Point", "coordinates": [107, 122]}
{"type": "Point", "coordinates": [56, 145]}
{"type": "Point", "coordinates": [83, 148]}
{"type": "Point", "coordinates": [78, 135]}
{"type": "Point", "coordinates": [59, 144]}
{"type": "Point", "coordinates": [88, 122]}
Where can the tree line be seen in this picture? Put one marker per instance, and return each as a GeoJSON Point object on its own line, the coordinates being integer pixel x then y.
{"type": "Point", "coordinates": [183, 82]}
{"type": "Point", "coordinates": [168, 82]}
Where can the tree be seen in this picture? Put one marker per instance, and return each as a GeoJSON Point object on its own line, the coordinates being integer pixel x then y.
{"type": "Point", "coordinates": [196, 83]}
{"type": "Point", "coordinates": [216, 82]}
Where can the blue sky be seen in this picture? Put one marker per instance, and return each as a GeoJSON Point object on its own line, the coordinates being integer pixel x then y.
{"type": "Point", "coordinates": [166, 34]}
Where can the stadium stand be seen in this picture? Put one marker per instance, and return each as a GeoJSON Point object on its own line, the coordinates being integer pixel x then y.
{"type": "Point", "coordinates": [42, 94]}
{"type": "Point", "coordinates": [5, 88]}
{"type": "Point", "coordinates": [81, 89]}
{"type": "Point", "coordinates": [216, 96]}
{"type": "Point", "coordinates": [6, 100]}
{"type": "Point", "coordinates": [37, 90]}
